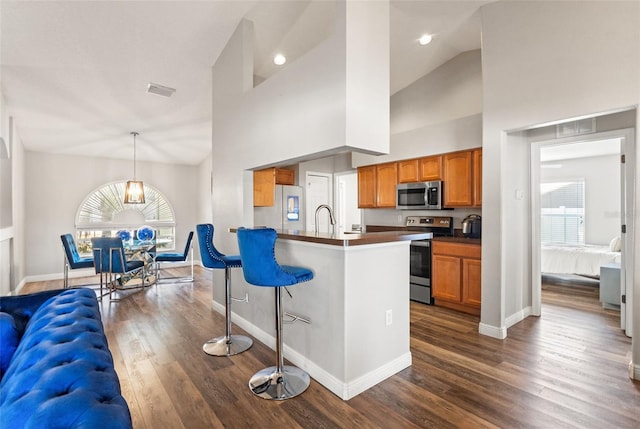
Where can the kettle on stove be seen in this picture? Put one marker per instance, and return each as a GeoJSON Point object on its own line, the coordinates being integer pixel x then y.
{"type": "Point", "coordinates": [472, 226]}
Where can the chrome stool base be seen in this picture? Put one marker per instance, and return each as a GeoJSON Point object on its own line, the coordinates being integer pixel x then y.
{"type": "Point", "coordinates": [227, 345]}
{"type": "Point", "coordinates": [270, 383]}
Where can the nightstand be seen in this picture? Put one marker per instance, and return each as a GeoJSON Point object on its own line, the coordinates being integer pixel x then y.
{"type": "Point", "coordinates": [610, 286]}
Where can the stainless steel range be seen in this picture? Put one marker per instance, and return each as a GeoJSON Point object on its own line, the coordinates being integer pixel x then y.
{"type": "Point", "coordinates": [420, 266]}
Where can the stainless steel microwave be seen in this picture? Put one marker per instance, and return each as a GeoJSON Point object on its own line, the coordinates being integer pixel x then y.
{"type": "Point", "coordinates": [419, 196]}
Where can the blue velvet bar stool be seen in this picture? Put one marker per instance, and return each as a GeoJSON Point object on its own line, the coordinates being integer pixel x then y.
{"type": "Point", "coordinates": [227, 344]}
{"type": "Point", "coordinates": [260, 268]}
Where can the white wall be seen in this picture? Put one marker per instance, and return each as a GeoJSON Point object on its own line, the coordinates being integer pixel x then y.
{"type": "Point", "coordinates": [450, 92]}
{"type": "Point", "coordinates": [314, 107]}
{"type": "Point", "coordinates": [12, 253]}
{"type": "Point", "coordinates": [542, 62]}
{"type": "Point", "coordinates": [439, 113]}
{"type": "Point", "coordinates": [57, 184]}
{"type": "Point", "coordinates": [203, 207]}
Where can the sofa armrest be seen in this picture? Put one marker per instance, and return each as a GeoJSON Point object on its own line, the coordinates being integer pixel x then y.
{"type": "Point", "coordinates": [22, 307]}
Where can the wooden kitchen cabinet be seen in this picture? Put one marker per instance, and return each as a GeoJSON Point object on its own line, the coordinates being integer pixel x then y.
{"type": "Point", "coordinates": [420, 169]}
{"type": "Point", "coordinates": [386, 181]}
{"type": "Point", "coordinates": [430, 168]}
{"type": "Point", "coordinates": [377, 185]}
{"type": "Point", "coordinates": [471, 282]}
{"type": "Point", "coordinates": [462, 176]}
{"type": "Point", "coordinates": [449, 277]}
{"type": "Point", "coordinates": [408, 171]}
{"type": "Point", "coordinates": [457, 179]}
{"type": "Point", "coordinates": [456, 276]}
{"type": "Point", "coordinates": [476, 158]}
{"type": "Point", "coordinates": [264, 184]}
{"type": "Point", "coordinates": [367, 186]}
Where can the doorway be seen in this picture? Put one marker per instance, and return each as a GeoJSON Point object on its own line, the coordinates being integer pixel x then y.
{"type": "Point", "coordinates": [318, 191]}
{"type": "Point", "coordinates": [348, 215]}
{"type": "Point", "coordinates": [340, 192]}
{"type": "Point", "coordinates": [580, 201]}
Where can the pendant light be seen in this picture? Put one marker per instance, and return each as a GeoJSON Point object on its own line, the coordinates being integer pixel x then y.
{"type": "Point", "coordinates": [134, 192]}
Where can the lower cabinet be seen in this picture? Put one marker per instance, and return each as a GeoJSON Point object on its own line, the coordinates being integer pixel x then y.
{"type": "Point", "coordinates": [456, 277]}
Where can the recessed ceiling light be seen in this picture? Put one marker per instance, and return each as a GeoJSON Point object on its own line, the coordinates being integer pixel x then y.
{"type": "Point", "coordinates": [425, 39]}
{"type": "Point", "coordinates": [279, 59]}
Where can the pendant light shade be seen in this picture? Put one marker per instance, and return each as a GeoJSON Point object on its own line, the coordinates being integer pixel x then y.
{"type": "Point", "coordinates": [134, 192]}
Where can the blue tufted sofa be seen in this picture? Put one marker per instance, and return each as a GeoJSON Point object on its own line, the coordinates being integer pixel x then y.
{"type": "Point", "coordinates": [61, 373]}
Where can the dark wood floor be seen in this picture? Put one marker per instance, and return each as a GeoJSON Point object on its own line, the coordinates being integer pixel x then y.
{"type": "Point", "coordinates": [568, 368]}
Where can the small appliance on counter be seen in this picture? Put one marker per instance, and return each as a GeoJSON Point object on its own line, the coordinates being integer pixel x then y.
{"type": "Point", "coordinates": [472, 226]}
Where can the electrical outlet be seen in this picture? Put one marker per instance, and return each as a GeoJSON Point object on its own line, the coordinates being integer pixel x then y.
{"type": "Point", "coordinates": [389, 317]}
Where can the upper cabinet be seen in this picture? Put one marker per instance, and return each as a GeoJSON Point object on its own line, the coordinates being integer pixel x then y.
{"type": "Point", "coordinates": [377, 185]}
{"type": "Point", "coordinates": [457, 179]}
{"type": "Point", "coordinates": [430, 168]}
{"type": "Point", "coordinates": [367, 186]}
{"type": "Point", "coordinates": [264, 184]}
{"type": "Point", "coordinates": [476, 158]}
{"type": "Point", "coordinates": [461, 173]}
{"type": "Point", "coordinates": [408, 171]}
{"type": "Point", "coordinates": [386, 181]}
{"type": "Point", "coordinates": [463, 178]}
{"type": "Point", "coordinates": [420, 169]}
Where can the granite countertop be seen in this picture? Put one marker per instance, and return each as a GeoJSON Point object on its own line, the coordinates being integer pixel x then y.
{"type": "Point", "coordinates": [349, 239]}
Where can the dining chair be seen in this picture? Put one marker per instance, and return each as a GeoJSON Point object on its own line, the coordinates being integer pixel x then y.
{"type": "Point", "coordinates": [72, 258]}
{"type": "Point", "coordinates": [175, 258]}
{"type": "Point", "coordinates": [110, 261]}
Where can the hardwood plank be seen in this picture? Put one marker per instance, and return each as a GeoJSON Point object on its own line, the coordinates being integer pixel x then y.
{"type": "Point", "coordinates": [567, 368]}
{"type": "Point", "coordinates": [192, 407]}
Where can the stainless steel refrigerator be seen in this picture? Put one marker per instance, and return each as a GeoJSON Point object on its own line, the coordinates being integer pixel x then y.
{"type": "Point", "coordinates": [287, 211]}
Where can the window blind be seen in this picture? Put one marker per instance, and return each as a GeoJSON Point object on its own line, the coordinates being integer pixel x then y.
{"type": "Point", "coordinates": [562, 211]}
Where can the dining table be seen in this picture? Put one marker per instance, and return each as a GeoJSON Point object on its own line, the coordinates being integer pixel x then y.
{"type": "Point", "coordinates": [139, 250]}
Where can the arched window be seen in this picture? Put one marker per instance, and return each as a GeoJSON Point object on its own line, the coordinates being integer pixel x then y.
{"type": "Point", "coordinates": [103, 213]}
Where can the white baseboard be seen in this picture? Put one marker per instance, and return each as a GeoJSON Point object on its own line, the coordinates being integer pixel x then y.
{"type": "Point", "coordinates": [634, 371]}
{"type": "Point", "coordinates": [18, 288]}
{"type": "Point", "coordinates": [374, 377]}
{"type": "Point", "coordinates": [84, 272]}
{"type": "Point", "coordinates": [499, 332]}
{"type": "Point", "coordinates": [73, 274]}
{"type": "Point", "coordinates": [340, 388]}
{"type": "Point", "coordinates": [518, 317]}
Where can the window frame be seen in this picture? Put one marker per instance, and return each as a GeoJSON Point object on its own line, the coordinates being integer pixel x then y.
{"type": "Point", "coordinates": [98, 208]}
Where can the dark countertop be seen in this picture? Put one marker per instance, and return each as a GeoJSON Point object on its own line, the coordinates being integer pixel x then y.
{"type": "Point", "coordinates": [457, 238]}
{"type": "Point", "coordinates": [349, 239]}
{"type": "Point", "coordinates": [461, 240]}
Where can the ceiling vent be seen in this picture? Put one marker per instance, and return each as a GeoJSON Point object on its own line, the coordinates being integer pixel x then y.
{"type": "Point", "coordinates": [165, 91]}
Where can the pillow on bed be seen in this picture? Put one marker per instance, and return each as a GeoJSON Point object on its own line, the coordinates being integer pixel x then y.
{"type": "Point", "coordinates": [615, 245]}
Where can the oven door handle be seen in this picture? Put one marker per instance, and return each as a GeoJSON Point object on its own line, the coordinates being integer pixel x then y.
{"type": "Point", "coordinates": [425, 243]}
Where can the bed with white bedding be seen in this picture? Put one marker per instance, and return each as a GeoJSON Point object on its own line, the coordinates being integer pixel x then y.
{"type": "Point", "coordinates": [583, 260]}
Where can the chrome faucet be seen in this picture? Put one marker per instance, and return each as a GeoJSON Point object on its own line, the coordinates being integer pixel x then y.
{"type": "Point", "coordinates": [332, 219]}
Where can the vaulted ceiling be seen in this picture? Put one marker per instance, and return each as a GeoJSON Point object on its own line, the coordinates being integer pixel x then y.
{"type": "Point", "coordinates": [75, 73]}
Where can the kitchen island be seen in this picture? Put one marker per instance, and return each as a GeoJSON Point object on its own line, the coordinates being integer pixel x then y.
{"type": "Point", "coordinates": [357, 305]}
